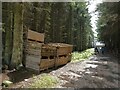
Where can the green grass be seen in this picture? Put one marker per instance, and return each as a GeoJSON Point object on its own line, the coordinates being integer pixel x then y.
{"type": "Point", "coordinates": [44, 81]}
{"type": "Point", "coordinates": [80, 56]}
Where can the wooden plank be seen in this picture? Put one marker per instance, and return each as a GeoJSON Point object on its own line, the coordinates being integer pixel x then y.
{"type": "Point", "coordinates": [34, 45]}
{"type": "Point", "coordinates": [47, 54]}
{"type": "Point", "coordinates": [33, 59]}
{"type": "Point", "coordinates": [33, 52]}
{"type": "Point", "coordinates": [60, 45]}
{"type": "Point", "coordinates": [32, 35]}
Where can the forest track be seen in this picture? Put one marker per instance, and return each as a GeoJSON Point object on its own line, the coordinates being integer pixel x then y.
{"type": "Point", "coordinates": [99, 71]}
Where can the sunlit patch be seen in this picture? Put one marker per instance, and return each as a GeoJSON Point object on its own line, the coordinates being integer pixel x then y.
{"type": "Point", "coordinates": [100, 78]}
{"type": "Point", "coordinates": [88, 72]}
{"type": "Point", "coordinates": [93, 62]}
{"type": "Point", "coordinates": [90, 66]}
{"type": "Point", "coordinates": [98, 62]}
{"type": "Point", "coordinates": [105, 62]}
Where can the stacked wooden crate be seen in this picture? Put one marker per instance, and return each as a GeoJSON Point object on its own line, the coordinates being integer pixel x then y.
{"type": "Point", "coordinates": [63, 52]}
{"type": "Point", "coordinates": [40, 56]}
{"type": "Point", "coordinates": [55, 54]}
{"type": "Point", "coordinates": [33, 49]}
{"type": "Point", "coordinates": [48, 56]}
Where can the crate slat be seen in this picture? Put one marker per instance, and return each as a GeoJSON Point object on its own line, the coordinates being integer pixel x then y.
{"type": "Point", "coordinates": [33, 59]}
{"type": "Point", "coordinates": [34, 45]}
{"type": "Point", "coordinates": [32, 35]}
{"type": "Point", "coordinates": [33, 52]}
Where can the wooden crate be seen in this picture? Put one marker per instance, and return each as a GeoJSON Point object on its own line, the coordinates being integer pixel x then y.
{"type": "Point", "coordinates": [33, 54]}
{"type": "Point", "coordinates": [61, 53]}
{"type": "Point", "coordinates": [33, 42]}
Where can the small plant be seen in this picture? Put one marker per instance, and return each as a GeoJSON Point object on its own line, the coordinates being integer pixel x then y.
{"type": "Point", "coordinates": [44, 81]}
{"type": "Point", "coordinates": [80, 56]}
{"type": "Point", "coordinates": [6, 83]}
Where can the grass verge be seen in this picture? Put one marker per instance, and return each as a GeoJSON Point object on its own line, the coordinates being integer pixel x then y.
{"type": "Point", "coordinates": [80, 56]}
{"type": "Point", "coordinates": [44, 81]}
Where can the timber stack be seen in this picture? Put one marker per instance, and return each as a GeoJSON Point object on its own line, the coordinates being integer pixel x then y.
{"type": "Point", "coordinates": [40, 56]}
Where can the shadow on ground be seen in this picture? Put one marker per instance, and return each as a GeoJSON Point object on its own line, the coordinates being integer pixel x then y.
{"type": "Point", "coordinates": [21, 74]}
{"type": "Point", "coordinates": [24, 73]}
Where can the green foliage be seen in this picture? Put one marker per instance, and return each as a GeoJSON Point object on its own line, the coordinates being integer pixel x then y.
{"type": "Point", "coordinates": [61, 22]}
{"type": "Point", "coordinates": [108, 24]}
{"type": "Point", "coordinates": [44, 81]}
{"type": "Point", "coordinates": [80, 56]}
{"type": "Point", "coordinates": [6, 83]}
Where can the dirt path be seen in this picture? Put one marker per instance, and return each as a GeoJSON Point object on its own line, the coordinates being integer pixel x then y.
{"type": "Point", "coordinates": [99, 71]}
{"type": "Point", "coordinates": [96, 72]}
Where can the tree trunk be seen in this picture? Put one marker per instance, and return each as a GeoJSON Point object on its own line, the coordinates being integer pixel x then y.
{"type": "Point", "coordinates": [8, 36]}
{"type": "Point", "coordinates": [17, 35]}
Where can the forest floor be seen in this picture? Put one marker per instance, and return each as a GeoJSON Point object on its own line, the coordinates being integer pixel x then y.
{"type": "Point", "coordinates": [99, 71]}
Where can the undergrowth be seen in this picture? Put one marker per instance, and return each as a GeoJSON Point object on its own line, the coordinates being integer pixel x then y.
{"type": "Point", "coordinates": [80, 56]}
{"type": "Point", "coordinates": [45, 81]}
